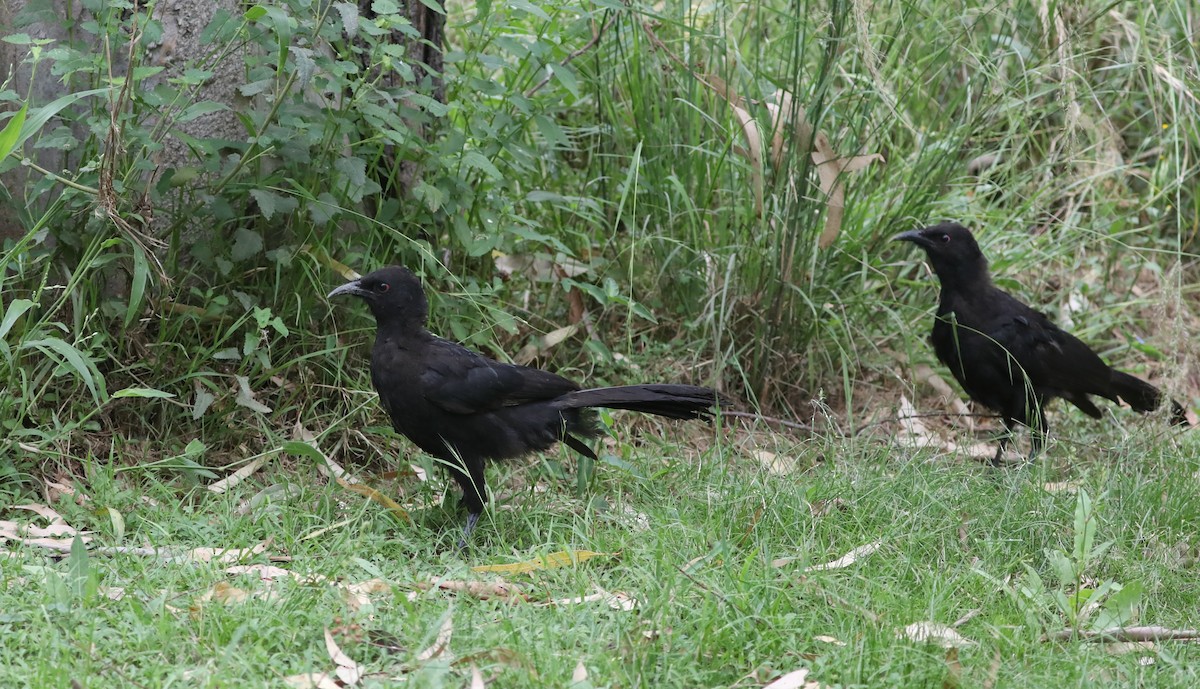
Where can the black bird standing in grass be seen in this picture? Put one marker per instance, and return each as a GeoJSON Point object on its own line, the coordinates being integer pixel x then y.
{"type": "Point", "coordinates": [464, 408]}
{"type": "Point", "coordinates": [1009, 357]}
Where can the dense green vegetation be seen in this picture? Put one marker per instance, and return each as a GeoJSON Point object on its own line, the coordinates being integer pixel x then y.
{"type": "Point", "coordinates": [659, 180]}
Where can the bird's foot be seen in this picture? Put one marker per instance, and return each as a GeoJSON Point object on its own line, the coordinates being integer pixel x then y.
{"type": "Point", "coordinates": [472, 520]}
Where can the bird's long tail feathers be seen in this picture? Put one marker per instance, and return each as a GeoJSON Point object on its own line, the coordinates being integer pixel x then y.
{"type": "Point", "coordinates": [1144, 397]}
{"type": "Point", "coordinates": [671, 401]}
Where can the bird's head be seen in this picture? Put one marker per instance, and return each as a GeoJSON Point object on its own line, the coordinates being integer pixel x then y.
{"type": "Point", "coordinates": [951, 248]}
{"type": "Point", "coordinates": [394, 295]}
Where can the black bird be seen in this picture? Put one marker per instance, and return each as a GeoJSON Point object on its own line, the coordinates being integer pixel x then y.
{"type": "Point", "coordinates": [1009, 357]}
{"type": "Point", "coordinates": [465, 408]}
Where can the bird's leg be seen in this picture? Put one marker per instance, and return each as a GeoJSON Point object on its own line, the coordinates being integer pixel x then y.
{"type": "Point", "coordinates": [1037, 435]}
{"type": "Point", "coordinates": [1006, 439]}
{"type": "Point", "coordinates": [472, 520]}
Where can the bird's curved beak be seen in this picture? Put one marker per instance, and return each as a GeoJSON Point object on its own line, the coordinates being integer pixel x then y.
{"type": "Point", "coordinates": [353, 287]}
{"type": "Point", "coordinates": [913, 236]}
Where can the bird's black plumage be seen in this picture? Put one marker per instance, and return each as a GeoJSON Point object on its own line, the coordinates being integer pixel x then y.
{"type": "Point", "coordinates": [465, 408]}
{"type": "Point", "coordinates": [1009, 357]}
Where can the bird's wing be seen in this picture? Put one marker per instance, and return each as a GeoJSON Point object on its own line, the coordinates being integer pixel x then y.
{"type": "Point", "coordinates": [461, 381]}
{"type": "Point", "coordinates": [1051, 357]}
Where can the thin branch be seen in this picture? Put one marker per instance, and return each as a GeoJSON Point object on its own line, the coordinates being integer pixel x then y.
{"type": "Point", "coordinates": [574, 54]}
{"type": "Point", "coordinates": [768, 419]}
{"type": "Point", "coordinates": [1148, 633]}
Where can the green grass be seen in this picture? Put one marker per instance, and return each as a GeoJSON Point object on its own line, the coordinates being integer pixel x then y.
{"type": "Point", "coordinates": [712, 608]}
{"type": "Point", "coordinates": [631, 163]}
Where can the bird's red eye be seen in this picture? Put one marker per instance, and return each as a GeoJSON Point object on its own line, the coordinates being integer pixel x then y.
{"type": "Point", "coordinates": [382, 287]}
{"type": "Point", "coordinates": [945, 239]}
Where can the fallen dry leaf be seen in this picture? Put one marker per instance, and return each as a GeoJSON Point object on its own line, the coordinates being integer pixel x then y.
{"type": "Point", "coordinates": [348, 671]}
{"type": "Point", "coordinates": [227, 555]}
{"type": "Point", "coordinates": [580, 674]}
{"type": "Point", "coordinates": [312, 680]}
{"type": "Point", "coordinates": [847, 559]}
{"type": "Point", "coordinates": [934, 633]}
{"type": "Point", "coordinates": [615, 600]}
{"type": "Point", "coordinates": [829, 640]}
{"type": "Point", "coordinates": [476, 679]}
{"type": "Point", "coordinates": [236, 477]}
{"type": "Point", "coordinates": [42, 511]}
{"type": "Point", "coordinates": [375, 496]}
{"type": "Point", "coordinates": [360, 594]}
{"type": "Point", "coordinates": [482, 590]}
{"type": "Point", "coordinates": [796, 679]}
{"type": "Point", "coordinates": [442, 643]}
{"type": "Point", "coordinates": [1061, 486]}
{"type": "Point", "coordinates": [222, 592]}
{"type": "Point", "coordinates": [561, 558]}
{"type": "Point", "coordinates": [779, 465]}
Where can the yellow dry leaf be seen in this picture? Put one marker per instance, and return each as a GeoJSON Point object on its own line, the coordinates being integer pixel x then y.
{"type": "Point", "coordinates": [330, 262]}
{"type": "Point", "coordinates": [375, 496]}
{"type": "Point", "coordinates": [561, 558]}
{"type": "Point", "coordinates": [847, 559]}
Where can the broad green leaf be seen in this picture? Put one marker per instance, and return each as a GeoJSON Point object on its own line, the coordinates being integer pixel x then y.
{"type": "Point", "coordinates": [16, 309]}
{"type": "Point", "coordinates": [12, 130]}
{"type": "Point", "coordinates": [204, 107]}
{"type": "Point", "coordinates": [137, 287]}
{"type": "Point", "coordinates": [38, 117]}
{"type": "Point", "coordinates": [296, 447]}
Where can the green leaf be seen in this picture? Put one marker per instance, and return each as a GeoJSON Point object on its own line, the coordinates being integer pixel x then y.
{"type": "Point", "coordinates": [143, 393]}
{"type": "Point", "coordinates": [16, 309]}
{"type": "Point", "coordinates": [302, 449]}
{"type": "Point", "coordinates": [75, 360]}
{"type": "Point", "coordinates": [204, 107]}
{"type": "Point", "coordinates": [137, 288]}
{"type": "Point", "coordinates": [203, 401]}
{"type": "Point", "coordinates": [566, 77]}
{"type": "Point", "coordinates": [255, 13]}
{"type": "Point", "coordinates": [246, 243]}
{"type": "Point", "coordinates": [40, 116]}
{"type": "Point", "coordinates": [12, 130]}
{"type": "Point", "coordinates": [475, 160]}
{"type": "Point", "coordinates": [349, 12]}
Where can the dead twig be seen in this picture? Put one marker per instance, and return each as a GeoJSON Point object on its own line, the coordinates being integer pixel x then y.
{"type": "Point", "coordinates": [1147, 633]}
{"type": "Point", "coordinates": [574, 54]}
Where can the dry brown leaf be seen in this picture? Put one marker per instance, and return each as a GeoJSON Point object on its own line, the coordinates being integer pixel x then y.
{"type": "Point", "coordinates": [779, 465]}
{"type": "Point", "coordinates": [348, 671]}
{"type": "Point", "coordinates": [615, 600]}
{"type": "Point", "coordinates": [1061, 486]}
{"type": "Point", "coordinates": [823, 508]}
{"type": "Point", "coordinates": [476, 679]}
{"type": "Point", "coordinates": [112, 592]}
{"type": "Point", "coordinates": [221, 592]}
{"type": "Point", "coordinates": [541, 345]}
{"type": "Point", "coordinates": [312, 680]}
{"type": "Point", "coordinates": [934, 633]}
{"type": "Point", "coordinates": [360, 594]}
{"type": "Point", "coordinates": [796, 679]}
{"type": "Point", "coordinates": [555, 560]}
{"type": "Point", "coordinates": [580, 674]}
{"type": "Point", "coordinates": [10, 529]}
{"type": "Point", "coordinates": [785, 109]}
{"type": "Point", "coordinates": [829, 640]}
{"type": "Point", "coordinates": [482, 590]}
{"type": "Point", "coordinates": [954, 669]}
{"type": "Point", "coordinates": [42, 511]}
{"type": "Point", "coordinates": [236, 477]}
{"type": "Point", "coordinates": [830, 171]}
{"type": "Point", "coordinates": [227, 555]}
{"type": "Point", "coordinates": [441, 644]}
{"type": "Point", "coordinates": [847, 559]}
{"type": "Point", "coordinates": [1124, 647]}
{"type": "Point", "coordinates": [57, 489]}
